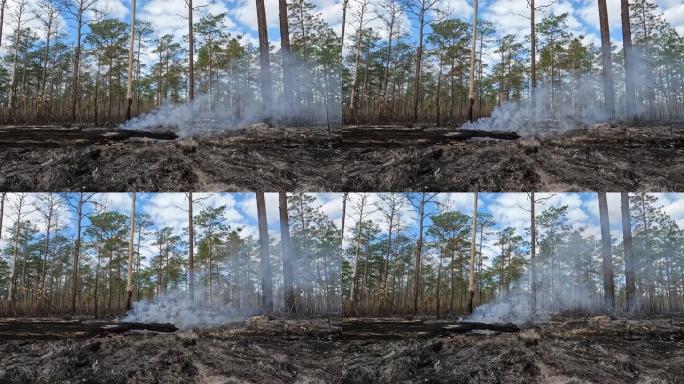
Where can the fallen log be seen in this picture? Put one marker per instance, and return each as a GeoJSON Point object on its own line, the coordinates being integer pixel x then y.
{"type": "Point", "coordinates": [389, 136]}
{"type": "Point", "coordinates": [56, 329]}
{"type": "Point", "coordinates": [55, 136]}
{"type": "Point", "coordinates": [391, 329]}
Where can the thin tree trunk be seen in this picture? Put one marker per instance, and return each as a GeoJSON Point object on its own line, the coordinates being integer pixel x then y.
{"type": "Point", "coordinates": [419, 254]}
{"type": "Point", "coordinates": [471, 86]}
{"type": "Point", "coordinates": [533, 251]}
{"type": "Point", "coordinates": [357, 248]}
{"type": "Point", "coordinates": [419, 59]}
{"type": "Point", "coordinates": [129, 92]}
{"type": "Point", "coordinates": [288, 94]}
{"type": "Point", "coordinates": [471, 272]}
{"type": "Point", "coordinates": [533, 87]}
{"type": "Point", "coordinates": [129, 281]}
{"type": "Point", "coordinates": [286, 244]}
{"type": "Point", "coordinates": [3, 3]}
{"type": "Point", "coordinates": [11, 292]}
{"type": "Point", "coordinates": [266, 278]}
{"type": "Point", "coordinates": [77, 63]}
{"type": "Point", "coordinates": [77, 255]}
{"type": "Point", "coordinates": [608, 284]}
{"type": "Point", "coordinates": [629, 253]}
{"type": "Point", "coordinates": [191, 59]}
{"type": "Point", "coordinates": [264, 62]}
{"type": "Point", "coordinates": [191, 250]}
{"type": "Point", "coordinates": [630, 95]}
{"type": "Point", "coordinates": [608, 92]}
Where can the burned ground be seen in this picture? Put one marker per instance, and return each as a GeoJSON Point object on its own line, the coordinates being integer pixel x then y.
{"type": "Point", "coordinates": [266, 350]}
{"type": "Point", "coordinates": [255, 160]}
{"type": "Point", "coordinates": [577, 351]}
{"type": "Point", "coordinates": [619, 157]}
{"type": "Point", "coordinates": [262, 351]}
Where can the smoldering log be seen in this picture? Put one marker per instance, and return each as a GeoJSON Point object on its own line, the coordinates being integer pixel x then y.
{"type": "Point", "coordinates": [387, 136]}
{"type": "Point", "coordinates": [55, 136]}
{"type": "Point", "coordinates": [57, 329]}
{"type": "Point", "coordinates": [391, 329]}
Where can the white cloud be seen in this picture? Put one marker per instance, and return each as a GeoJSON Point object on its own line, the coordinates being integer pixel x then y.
{"type": "Point", "coordinates": [673, 11]}
{"type": "Point", "coordinates": [112, 8]}
{"type": "Point", "coordinates": [245, 13]}
{"type": "Point", "coordinates": [170, 17]}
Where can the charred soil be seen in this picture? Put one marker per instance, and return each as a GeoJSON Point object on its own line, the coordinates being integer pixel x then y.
{"type": "Point", "coordinates": [260, 351]}
{"type": "Point", "coordinates": [598, 350]}
{"type": "Point", "coordinates": [645, 157]}
{"type": "Point", "coordinates": [267, 350]}
{"type": "Point", "coordinates": [618, 157]}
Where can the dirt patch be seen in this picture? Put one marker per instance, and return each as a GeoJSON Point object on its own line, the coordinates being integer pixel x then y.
{"type": "Point", "coordinates": [620, 157]}
{"type": "Point", "coordinates": [579, 351]}
{"type": "Point", "coordinates": [279, 351]}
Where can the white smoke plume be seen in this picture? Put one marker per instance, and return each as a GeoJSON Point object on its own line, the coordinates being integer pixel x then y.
{"type": "Point", "coordinates": [317, 102]}
{"type": "Point", "coordinates": [573, 106]}
{"type": "Point", "coordinates": [578, 101]}
{"type": "Point", "coordinates": [515, 306]}
{"type": "Point", "coordinates": [177, 308]}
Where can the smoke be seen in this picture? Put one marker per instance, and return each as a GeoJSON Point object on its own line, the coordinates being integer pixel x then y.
{"type": "Point", "coordinates": [578, 101]}
{"type": "Point", "coordinates": [556, 109]}
{"type": "Point", "coordinates": [515, 305]}
{"type": "Point", "coordinates": [177, 308]}
{"type": "Point", "coordinates": [236, 103]}
{"type": "Point", "coordinates": [567, 281]}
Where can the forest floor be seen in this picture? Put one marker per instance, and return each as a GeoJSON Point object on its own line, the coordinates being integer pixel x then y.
{"type": "Point", "coordinates": [589, 350]}
{"type": "Point", "coordinates": [644, 157]}
{"type": "Point", "coordinates": [257, 158]}
{"type": "Point", "coordinates": [319, 350]}
{"type": "Point", "coordinates": [627, 157]}
{"type": "Point", "coordinates": [260, 350]}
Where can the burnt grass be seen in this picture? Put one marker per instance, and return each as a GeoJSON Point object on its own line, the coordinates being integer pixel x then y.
{"type": "Point", "coordinates": [632, 157]}
{"type": "Point", "coordinates": [584, 351]}
{"type": "Point", "coordinates": [282, 351]}
{"type": "Point", "coordinates": [590, 350]}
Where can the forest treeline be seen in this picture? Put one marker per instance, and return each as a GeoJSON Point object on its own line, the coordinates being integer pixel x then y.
{"type": "Point", "coordinates": [82, 256]}
{"type": "Point", "coordinates": [76, 66]}
{"type": "Point", "coordinates": [412, 254]}
{"type": "Point", "coordinates": [430, 71]}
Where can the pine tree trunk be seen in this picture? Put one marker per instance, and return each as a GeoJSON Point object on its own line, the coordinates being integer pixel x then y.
{"type": "Point", "coordinates": [129, 280]}
{"type": "Point", "coordinates": [608, 284]}
{"type": "Point", "coordinates": [191, 250]}
{"type": "Point", "coordinates": [129, 87]}
{"type": "Point", "coordinates": [608, 92]}
{"type": "Point", "coordinates": [286, 244]}
{"type": "Point", "coordinates": [629, 253]}
{"type": "Point", "coordinates": [191, 54]}
{"type": "Point", "coordinates": [77, 254]}
{"type": "Point", "coordinates": [419, 62]}
{"type": "Point", "coordinates": [533, 251]}
{"type": "Point", "coordinates": [264, 253]}
{"type": "Point", "coordinates": [288, 91]}
{"type": "Point", "coordinates": [264, 62]}
{"type": "Point", "coordinates": [419, 254]}
{"type": "Point", "coordinates": [471, 86]}
{"type": "Point", "coordinates": [471, 272]}
{"type": "Point", "coordinates": [630, 93]}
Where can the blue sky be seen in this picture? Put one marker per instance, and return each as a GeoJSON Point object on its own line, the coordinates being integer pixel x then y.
{"type": "Point", "coordinates": [512, 209]}
{"type": "Point", "coordinates": [168, 16]}
{"type": "Point", "coordinates": [508, 209]}
{"type": "Point", "coordinates": [510, 16]}
{"type": "Point", "coordinates": [170, 209]}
